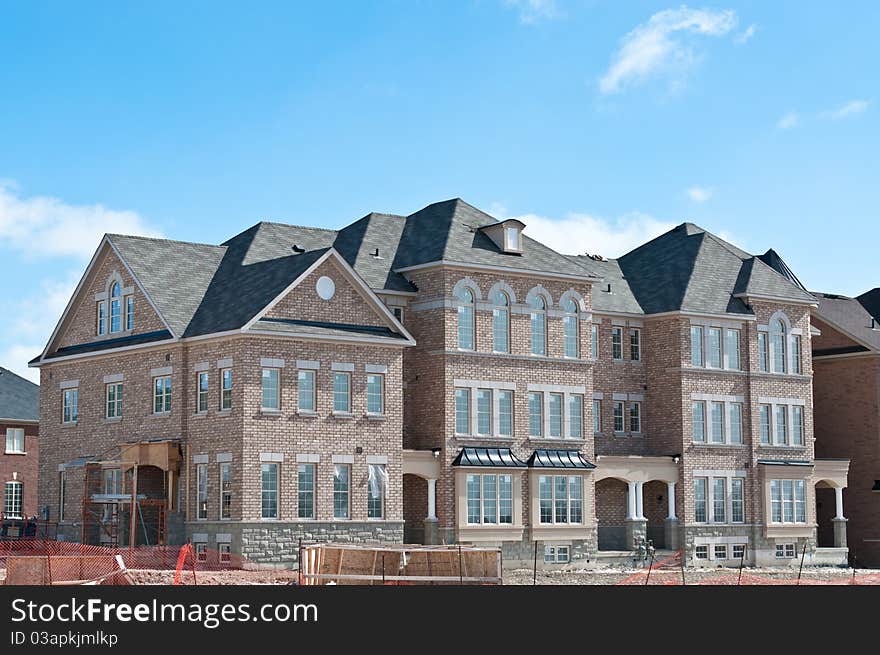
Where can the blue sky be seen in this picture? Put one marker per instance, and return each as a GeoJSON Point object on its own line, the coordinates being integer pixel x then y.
{"type": "Point", "coordinates": [601, 123]}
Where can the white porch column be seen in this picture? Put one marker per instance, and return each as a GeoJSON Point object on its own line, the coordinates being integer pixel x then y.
{"type": "Point", "coordinates": [640, 498]}
{"type": "Point", "coordinates": [670, 494]}
{"type": "Point", "coordinates": [432, 499]}
{"type": "Point", "coordinates": [838, 499]}
{"type": "Point", "coordinates": [631, 509]}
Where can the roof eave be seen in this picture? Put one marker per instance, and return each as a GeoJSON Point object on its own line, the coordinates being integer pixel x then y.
{"type": "Point", "coordinates": [503, 269]}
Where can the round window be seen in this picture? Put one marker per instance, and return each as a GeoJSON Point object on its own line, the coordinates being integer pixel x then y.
{"type": "Point", "coordinates": [325, 288]}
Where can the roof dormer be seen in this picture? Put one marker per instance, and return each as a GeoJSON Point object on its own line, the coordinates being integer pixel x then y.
{"type": "Point", "coordinates": [507, 235]}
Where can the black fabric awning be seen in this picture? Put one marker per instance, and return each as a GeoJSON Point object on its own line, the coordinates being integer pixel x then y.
{"type": "Point", "coordinates": [558, 459]}
{"type": "Point", "coordinates": [490, 457]}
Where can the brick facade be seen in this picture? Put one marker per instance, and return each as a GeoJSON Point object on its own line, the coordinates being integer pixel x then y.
{"type": "Point", "coordinates": [22, 467]}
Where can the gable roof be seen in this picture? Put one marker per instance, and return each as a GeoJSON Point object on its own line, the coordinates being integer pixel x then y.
{"type": "Point", "coordinates": [850, 316]}
{"type": "Point", "coordinates": [19, 398]}
{"type": "Point", "coordinates": [690, 269]}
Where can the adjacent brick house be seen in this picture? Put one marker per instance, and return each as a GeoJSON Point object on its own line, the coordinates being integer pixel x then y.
{"type": "Point", "coordinates": [19, 423]}
{"type": "Point", "coordinates": [846, 364]}
{"type": "Point", "coordinates": [436, 377]}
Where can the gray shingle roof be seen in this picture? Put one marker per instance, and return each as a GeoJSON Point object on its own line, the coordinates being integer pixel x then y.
{"type": "Point", "coordinates": [620, 298]}
{"type": "Point", "coordinates": [448, 231]}
{"type": "Point", "coordinates": [690, 269]}
{"type": "Point", "coordinates": [19, 398]}
{"type": "Point", "coordinates": [327, 329]}
{"type": "Point", "coordinates": [851, 315]}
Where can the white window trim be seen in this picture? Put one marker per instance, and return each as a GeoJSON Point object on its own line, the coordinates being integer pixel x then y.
{"type": "Point", "coordinates": [728, 476]}
{"type": "Point", "coordinates": [727, 402]}
{"type": "Point", "coordinates": [10, 431]}
{"type": "Point", "coordinates": [494, 388]}
{"type": "Point", "coordinates": [789, 404]}
{"type": "Point", "coordinates": [704, 346]}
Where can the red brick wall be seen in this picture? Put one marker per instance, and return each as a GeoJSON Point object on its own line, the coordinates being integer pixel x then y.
{"type": "Point", "coordinates": [25, 466]}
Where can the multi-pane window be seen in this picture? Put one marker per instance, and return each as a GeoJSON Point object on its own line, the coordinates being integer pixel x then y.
{"type": "Point", "coordinates": [201, 551]}
{"type": "Point", "coordinates": [501, 323]}
{"type": "Point", "coordinates": [594, 341]}
{"type": "Point", "coordinates": [732, 347]}
{"type": "Point", "coordinates": [539, 325]}
{"type": "Point", "coordinates": [102, 318]}
{"type": "Point", "coordinates": [785, 550]}
{"type": "Point", "coordinates": [341, 491]}
{"type": "Point", "coordinates": [162, 394]}
{"type": "Point", "coordinates": [225, 490]}
{"type": "Point", "coordinates": [635, 418]}
{"type": "Point", "coordinates": [719, 499]}
{"type": "Point", "coordinates": [489, 499]}
{"type": "Point", "coordinates": [763, 354]}
{"type": "Point", "coordinates": [465, 319]}
{"type": "Point", "coordinates": [617, 343]}
{"type": "Point", "coordinates": [570, 328]}
{"type": "Point", "coordinates": [618, 416]}
{"type": "Point", "coordinates": [781, 421]}
{"type": "Point", "coordinates": [377, 481]}
{"type": "Point", "coordinates": [202, 491]}
{"type": "Point", "coordinates": [505, 413]}
{"type": "Point", "coordinates": [462, 411]}
{"type": "Point", "coordinates": [554, 402]}
{"type": "Point", "coordinates": [225, 389]}
{"type": "Point", "coordinates": [597, 416]}
{"type": "Point", "coordinates": [484, 411]}
{"type": "Point", "coordinates": [713, 347]}
{"type": "Point", "coordinates": [224, 553]}
{"type": "Point", "coordinates": [720, 551]}
{"type": "Point", "coordinates": [556, 554]}
{"type": "Point", "coordinates": [764, 413]}
{"type": "Point", "coordinates": [737, 512]}
{"type": "Point", "coordinates": [398, 314]}
{"type": "Point", "coordinates": [202, 395]}
{"type": "Point", "coordinates": [561, 498]}
{"type": "Point", "coordinates": [635, 344]}
{"type": "Point", "coordinates": [113, 481]}
{"type": "Point", "coordinates": [797, 425]}
{"type": "Point", "coordinates": [129, 312]}
{"type": "Point", "coordinates": [739, 551]}
{"type": "Point", "coordinates": [735, 419]}
{"type": "Point", "coordinates": [777, 345]}
{"type": "Point", "coordinates": [788, 501]}
{"type": "Point", "coordinates": [699, 420]}
{"type": "Point", "coordinates": [575, 416]}
{"type": "Point", "coordinates": [115, 309]}
{"type": "Point", "coordinates": [305, 385]}
{"type": "Point", "coordinates": [271, 389]}
{"type": "Point", "coordinates": [375, 393]}
{"type": "Point", "coordinates": [342, 392]}
{"type": "Point", "coordinates": [701, 551]}
{"type": "Point", "coordinates": [696, 345]}
{"type": "Point", "coordinates": [14, 440]}
{"type": "Point", "coordinates": [700, 503]}
{"type": "Point", "coordinates": [536, 414]}
{"type": "Point", "coordinates": [796, 354]}
{"type": "Point", "coordinates": [12, 500]}
{"type": "Point", "coordinates": [269, 490]}
{"type": "Point", "coordinates": [716, 432]}
{"type": "Point", "coordinates": [114, 400]}
{"type": "Point", "coordinates": [305, 491]}
{"type": "Point", "coordinates": [70, 406]}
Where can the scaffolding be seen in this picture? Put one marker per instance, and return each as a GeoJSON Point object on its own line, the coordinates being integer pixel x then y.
{"type": "Point", "coordinates": [126, 500]}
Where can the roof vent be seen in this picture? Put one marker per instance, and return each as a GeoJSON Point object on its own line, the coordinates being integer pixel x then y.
{"type": "Point", "coordinates": [298, 248]}
{"type": "Point", "coordinates": [608, 288]}
{"type": "Point", "coordinates": [874, 324]}
{"type": "Point", "coordinates": [376, 254]}
{"type": "Point", "coordinates": [598, 258]}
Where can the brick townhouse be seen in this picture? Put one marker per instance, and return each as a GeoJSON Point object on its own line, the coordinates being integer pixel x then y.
{"type": "Point", "coordinates": [19, 422]}
{"type": "Point", "coordinates": [439, 377]}
{"type": "Point", "coordinates": [846, 364]}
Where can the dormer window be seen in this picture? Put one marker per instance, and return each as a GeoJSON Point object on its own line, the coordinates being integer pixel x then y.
{"type": "Point", "coordinates": [115, 308]}
{"type": "Point", "coordinates": [507, 235]}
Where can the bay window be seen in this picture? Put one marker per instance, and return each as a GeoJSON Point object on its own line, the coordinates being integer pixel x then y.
{"type": "Point", "coordinates": [788, 501]}
{"type": "Point", "coordinates": [489, 499]}
{"type": "Point", "coordinates": [561, 498]}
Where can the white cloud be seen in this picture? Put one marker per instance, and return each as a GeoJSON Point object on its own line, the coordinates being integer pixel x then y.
{"type": "Point", "coordinates": [790, 120]}
{"type": "Point", "coordinates": [851, 108]}
{"type": "Point", "coordinates": [659, 46]}
{"type": "Point", "coordinates": [699, 194]}
{"type": "Point", "coordinates": [747, 34]}
{"type": "Point", "coordinates": [534, 11]}
{"type": "Point", "coordinates": [576, 234]}
{"type": "Point", "coordinates": [48, 227]}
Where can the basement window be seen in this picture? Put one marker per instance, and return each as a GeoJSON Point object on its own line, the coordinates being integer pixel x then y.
{"type": "Point", "coordinates": [556, 554]}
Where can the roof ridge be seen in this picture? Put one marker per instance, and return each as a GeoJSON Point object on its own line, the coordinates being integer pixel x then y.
{"type": "Point", "coordinates": [301, 227]}
{"type": "Point", "coordinates": [163, 239]}
{"type": "Point", "coordinates": [5, 371]}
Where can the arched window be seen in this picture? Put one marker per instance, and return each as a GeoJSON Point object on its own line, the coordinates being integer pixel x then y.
{"type": "Point", "coordinates": [115, 308]}
{"type": "Point", "coordinates": [465, 319]}
{"type": "Point", "coordinates": [501, 323]}
{"type": "Point", "coordinates": [539, 325]}
{"type": "Point", "coordinates": [570, 327]}
{"type": "Point", "coordinates": [778, 338]}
